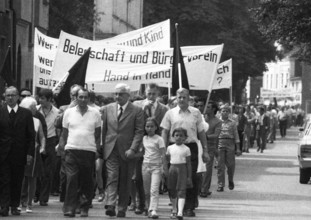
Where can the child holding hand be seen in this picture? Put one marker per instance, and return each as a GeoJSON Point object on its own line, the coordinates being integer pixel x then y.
{"type": "Point", "coordinates": [179, 174]}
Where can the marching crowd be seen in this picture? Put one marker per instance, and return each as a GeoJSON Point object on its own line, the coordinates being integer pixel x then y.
{"type": "Point", "coordinates": [127, 151]}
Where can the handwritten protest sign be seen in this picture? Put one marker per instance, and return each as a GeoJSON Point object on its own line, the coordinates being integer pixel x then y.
{"type": "Point", "coordinates": [223, 77]}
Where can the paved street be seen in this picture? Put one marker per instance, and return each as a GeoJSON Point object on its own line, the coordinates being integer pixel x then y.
{"type": "Point", "coordinates": [267, 187]}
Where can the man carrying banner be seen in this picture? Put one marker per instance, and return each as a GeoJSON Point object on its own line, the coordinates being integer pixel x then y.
{"type": "Point", "coordinates": [189, 118]}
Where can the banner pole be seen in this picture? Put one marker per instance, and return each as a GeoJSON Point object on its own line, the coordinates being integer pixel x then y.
{"type": "Point", "coordinates": [60, 81]}
{"type": "Point", "coordinates": [206, 103]}
{"type": "Point", "coordinates": [230, 94]}
{"type": "Point", "coordinates": [169, 90]}
{"type": "Point", "coordinates": [34, 82]}
{"type": "Point", "coordinates": [177, 56]}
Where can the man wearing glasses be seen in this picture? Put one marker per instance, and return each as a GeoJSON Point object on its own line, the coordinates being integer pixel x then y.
{"type": "Point", "coordinates": [17, 146]}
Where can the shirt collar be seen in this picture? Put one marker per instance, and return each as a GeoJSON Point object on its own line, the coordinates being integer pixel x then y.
{"type": "Point", "coordinates": [180, 111]}
{"type": "Point", "coordinates": [123, 106]}
{"type": "Point", "coordinates": [15, 108]}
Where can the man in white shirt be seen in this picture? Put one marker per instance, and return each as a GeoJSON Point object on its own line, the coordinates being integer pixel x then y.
{"type": "Point", "coordinates": [81, 140]}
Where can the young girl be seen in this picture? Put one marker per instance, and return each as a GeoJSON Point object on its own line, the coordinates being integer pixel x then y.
{"type": "Point", "coordinates": [179, 175]}
{"type": "Point", "coordinates": [152, 167]}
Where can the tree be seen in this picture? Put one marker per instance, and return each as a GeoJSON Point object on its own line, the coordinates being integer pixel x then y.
{"type": "Point", "coordinates": [74, 17]}
{"type": "Point", "coordinates": [288, 22]}
{"type": "Point", "coordinates": [215, 22]}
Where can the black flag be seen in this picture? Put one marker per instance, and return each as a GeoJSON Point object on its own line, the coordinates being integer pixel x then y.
{"type": "Point", "coordinates": [76, 75]}
{"type": "Point", "coordinates": [178, 59]}
{"type": "Point", "coordinates": [6, 69]}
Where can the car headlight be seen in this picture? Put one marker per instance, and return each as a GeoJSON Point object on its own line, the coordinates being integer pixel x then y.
{"type": "Point", "coordinates": [305, 151]}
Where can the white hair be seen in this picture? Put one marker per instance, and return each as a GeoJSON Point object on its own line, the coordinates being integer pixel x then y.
{"type": "Point", "coordinates": [122, 87]}
{"type": "Point", "coordinates": [27, 102]}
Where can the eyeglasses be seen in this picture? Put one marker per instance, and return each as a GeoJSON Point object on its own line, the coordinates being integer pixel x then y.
{"type": "Point", "coordinates": [24, 96]}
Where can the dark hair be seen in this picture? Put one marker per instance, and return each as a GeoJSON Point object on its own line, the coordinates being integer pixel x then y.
{"type": "Point", "coordinates": [47, 93]}
{"type": "Point", "coordinates": [214, 106]}
{"type": "Point", "coordinates": [244, 109]}
{"type": "Point", "coordinates": [24, 89]}
{"type": "Point", "coordinates": [153, 86]}
{"type": "Point", "coordinates": [181, 130]}
{"type": "Point", "coordinates": [152, 119]}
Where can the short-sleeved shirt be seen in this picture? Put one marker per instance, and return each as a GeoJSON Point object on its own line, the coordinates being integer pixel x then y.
{"type": "Point", "coordinates": [81, 128]}
{"type": "Point", "coordinates": [50, 118]}
{"type": "Point", "coordinates": [190, 119]}
{"type": "Point", "coordinates": [153, 146]}
{"type": "Point", "coordinates": [178, 153]}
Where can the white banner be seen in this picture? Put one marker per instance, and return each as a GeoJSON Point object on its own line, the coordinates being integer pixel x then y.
{"type": "Point", "coordinates": [111, 64]}
{"type": "Point", "coordinates": [45, 49]}
{"type": "Point", "coordinates": [223, 77]}
{"type": "Point", "coordinates": [157, 35]}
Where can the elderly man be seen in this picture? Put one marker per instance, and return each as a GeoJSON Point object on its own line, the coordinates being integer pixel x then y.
{"type": "Point", "coordinates": [17, 146]}
{"type": "Point", "coordinates": [189, 118]}
{"type": "Point", "coordinates": [81, 140]}
{"type": "Point", "coordinates": [123, 130]}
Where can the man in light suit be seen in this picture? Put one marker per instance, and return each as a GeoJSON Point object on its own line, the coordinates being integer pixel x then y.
{"type": "Point", "coordinates": [123, 130]}
{"type": "Point", "coordinates": [17, 147]}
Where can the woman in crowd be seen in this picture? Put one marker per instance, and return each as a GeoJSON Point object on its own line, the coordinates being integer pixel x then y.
{"type": "Point", "coordinates": [33, 170]}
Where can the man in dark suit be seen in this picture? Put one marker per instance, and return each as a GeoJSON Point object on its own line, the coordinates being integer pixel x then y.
{"type": "Point", "coordinates": [17, 146]}
{"type": "Point", "coordinates": [123, 130]}
{"type": "Point", "coordinates": [262, 128]}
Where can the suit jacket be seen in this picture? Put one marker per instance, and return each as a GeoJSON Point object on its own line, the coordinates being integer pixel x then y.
{"type": "Point", "coordinates": [17, 139]}
{"type": "Point", "coordinates": [124, 134]}
{"type": "Point", "coordinates": [159, 111]}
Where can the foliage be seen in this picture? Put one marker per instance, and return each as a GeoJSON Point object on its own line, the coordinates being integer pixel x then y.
{"type": "Point", "coordinates": [288, 22]}
{"type": "Point", "coordinates": [215, 22]}
{"type": "Point", "coordinates": [74, 17]}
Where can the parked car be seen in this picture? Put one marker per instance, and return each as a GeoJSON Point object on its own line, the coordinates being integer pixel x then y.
{"type": "Point", "coordinates": [304, 152]}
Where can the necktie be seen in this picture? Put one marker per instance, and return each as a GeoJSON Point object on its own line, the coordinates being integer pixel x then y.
{"type": "Point", "coordinates": [120, 113]}
{"type": "Point", "coordinates": [12, 115]}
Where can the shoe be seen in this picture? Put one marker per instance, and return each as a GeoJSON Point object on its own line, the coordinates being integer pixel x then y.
{"type": "Point", "coordinates": [4, 212]}
{"type": "Point", "coordinates": [78, 211]}
{"type": "Point", "coordinates": [179, 217]}
{"type": "Point", "coordinates": [261, 151]}
{"type": "Point", "coordinates": [111, 211]}
{"type": "Point", "coordinates": [258, 149]}
{"type": "Point", "coordinates": [29, 209]}
{"type": "Point", "coordinates": [132, 207]}
{"type": "Point", "coordinates": [55, 194]}
{"type": "Point", "coordinates": [153, 215]}
{"type": "Point", "coordinates": [43, 204]}
{"type": "Point", "coordinates": [138, 211]}
{"type": "Point", "coordinates": [101, 197]}
{"type": "Point", "coordinates": [231, 185]}
{"type": "Point", "coordinates": [61, 199]}
{"type": "Point", "coordinates": [121, 214]}
{"type": "Point", "coordinates": [173, 215]}
{"type": "Point", "coordinates": [220, 189]}
{"type": "Point", "coordinates": [14, 211]}
{"type": "Point", "coordinates": [189, 213]}
{"type": "Point", "coordinates": [84, 213]}
{"type": "Point", "coordinates": [205, 194]}
{"type": "Point", "coordinates": [70, 214]}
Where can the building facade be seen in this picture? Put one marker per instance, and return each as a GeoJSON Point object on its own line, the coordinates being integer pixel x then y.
{"type": "Point", "coordinates": [18, 19]}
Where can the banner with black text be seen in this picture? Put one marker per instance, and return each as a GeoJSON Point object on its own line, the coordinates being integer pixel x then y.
{"type": "Point", "coordinates": [223, 77]}
{"type": "Point", "coordinates": [111, 64]}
